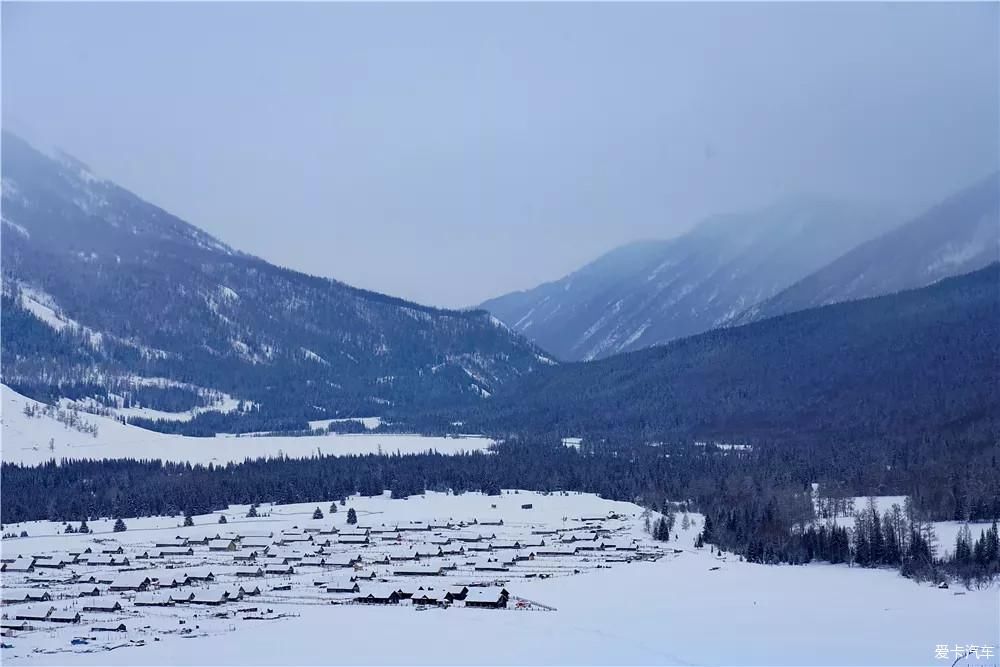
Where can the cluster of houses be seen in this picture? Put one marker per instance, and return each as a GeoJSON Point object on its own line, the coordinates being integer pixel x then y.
{"type": "Point", "coordinates": [487, 598]}
{"type": "Point", "coordinates": [411, 562]}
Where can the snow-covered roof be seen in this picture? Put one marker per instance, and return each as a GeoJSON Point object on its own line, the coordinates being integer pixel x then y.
{"type": "Point", "coordinates": [221, 545]}
{"type": "Point", "coordinates": [354, 532]}
{"type": "Point", "coordinates": [21, 564]}
{"type": "Point", "coordinates": [200, 573]}
{"type": "Point", "coordinates": [313, 560]}
{"type": "Point", "coordinates": [206, 595]}
{"type": "Point", "coordinates": [256, 541]}
{"type": "Point", "coordinates": [12, 595]}
{"type": "Point", "coordinates": [102, 604]}
{"type": "Point", "coordinates": [505, 544]}
{"type": "Point", "coordinates": [382, 591]}
{"type": "Point", "coordinates": [484, 595]}
{"type": "Point", "coordinates": [343, 560]}
{"type": "Point", "coordinates": [427, 551]}
{"type": "Point", "coordinates": [245, 533]}
{"type": "Point", "coordinates": [340, 585]}
{"type": "Point", "coordinates": [401, 553]}
{"type": "Point", "coordinates": [64, 615]}
{"type": "Point", "coordinates": [33, 611]}
{"type": "Point", "coordinates": [130, 580]}
{"type": "Point", "coordinates": [491, 564]}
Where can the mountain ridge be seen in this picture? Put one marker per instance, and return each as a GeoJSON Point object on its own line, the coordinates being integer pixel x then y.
{"type": "Point", "coordinates": [650, 292]}
{"type": "Point", "coordinates": [100, 286]}
{"type": "Point", "coordinates": [924, 360]}
{"type": "Point", "coordinates": [958, 235]}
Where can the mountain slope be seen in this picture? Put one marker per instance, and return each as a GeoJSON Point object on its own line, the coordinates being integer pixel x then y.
{"type": "Point", "coordinates": [651, 292]}
{"type": "Point", "coordinates": [104, 292]}
{"type": "Point", "coordinates": [957, 236]}
{"type": "Point", "coordinates": [921, 361]}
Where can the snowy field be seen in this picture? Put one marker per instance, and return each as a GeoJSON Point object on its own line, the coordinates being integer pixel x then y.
{"type": "Point", "coordinates": [27, 440]}
{"type": "Point", "coordinates": [623, 600]}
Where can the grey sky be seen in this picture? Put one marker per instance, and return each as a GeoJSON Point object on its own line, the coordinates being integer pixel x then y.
{"type": "Point", "coordinates": [452, 152]}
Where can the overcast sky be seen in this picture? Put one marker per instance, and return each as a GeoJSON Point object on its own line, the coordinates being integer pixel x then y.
{"type": "Point", "coordinates": [451, 152]}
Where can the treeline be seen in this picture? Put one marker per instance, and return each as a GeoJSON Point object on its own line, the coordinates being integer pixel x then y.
{"type": "Point", "coordinates": [207, 424]}
{"type": "Point", "coordinates": [756, 503]}
{"type": "Point", "coordinates": [114, 393]}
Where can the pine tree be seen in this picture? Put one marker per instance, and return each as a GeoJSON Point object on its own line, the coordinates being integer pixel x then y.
{"type": "Point", "coordinates": [707, 531]}
{"type": "Point", "coordinates": [333, 508]}
{"type": "Point", "coordinates": [318, 514]}
{"type": "Point", "coordinates": [222, 518]}
{"type": "Point", "coordinates": [188, 520]}
{"type": "Point", "coordinates": [661, 530]}
{"type": "Point", "coordinates": [963, 545]}
{"type": "Point", "coordinates": [252, 514]}
{"type": "Point", "coordinates": [84, 528]}
{"type": "Point", "coordinates": [120, 526]}
{"type": "Point", "coordinates": [352, 516]}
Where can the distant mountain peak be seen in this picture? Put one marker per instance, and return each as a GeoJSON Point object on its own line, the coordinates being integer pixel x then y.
{"type": "Point", "coordinates": [957, 236]}
{"type": "Point", "coordinates": [649, 292]}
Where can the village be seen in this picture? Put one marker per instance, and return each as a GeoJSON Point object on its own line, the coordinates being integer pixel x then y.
{"type": "Point", "coordinates": [98, 591]}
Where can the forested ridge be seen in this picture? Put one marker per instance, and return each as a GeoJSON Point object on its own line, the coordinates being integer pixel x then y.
{"type": "Point", "coordinates": [916, 364]}
{"type": "Point", "coordinates": [100, 286]}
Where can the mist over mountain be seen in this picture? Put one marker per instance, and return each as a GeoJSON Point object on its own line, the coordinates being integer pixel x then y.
{"type": "Point", "coordinates": [651, 292]}
{"type": "Point", "coordinates": [959, 235]}
{"type": "Point", "coordinates": [104, 292]}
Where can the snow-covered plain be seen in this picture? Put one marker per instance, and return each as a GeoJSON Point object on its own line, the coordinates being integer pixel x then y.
{"type": "Point", "coordinates": [674, 605]}
{"type": "Point", "coordinates": [26, 440]}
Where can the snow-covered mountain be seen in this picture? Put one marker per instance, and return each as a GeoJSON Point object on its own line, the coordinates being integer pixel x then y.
{"type": "Point", "coordinates": [103, 292]}
{"type": "Point", "coordinates": [957, 236]}
{"type": "Point", "coordinates": [651, 292]}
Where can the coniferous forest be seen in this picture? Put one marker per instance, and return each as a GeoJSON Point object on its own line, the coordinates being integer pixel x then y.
{"type": "Point", "coordinates": [757, 503]}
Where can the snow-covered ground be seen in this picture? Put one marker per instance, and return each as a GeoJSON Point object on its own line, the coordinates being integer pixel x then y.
{"type": "Point", "coordinates": [221, 402]}
{"type": "Point", "coordinates": [660, 604]}
{"type": "Point", "coordinates": [26, 440]}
